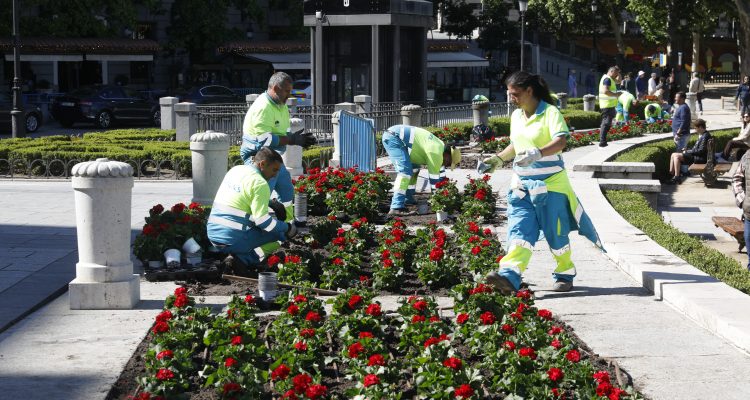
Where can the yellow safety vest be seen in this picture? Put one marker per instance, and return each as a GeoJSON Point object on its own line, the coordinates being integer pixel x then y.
{"type": "Point", "coordinates": [604, 100]}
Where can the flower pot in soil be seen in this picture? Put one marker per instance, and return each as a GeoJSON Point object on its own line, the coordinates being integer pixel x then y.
{"type": "Point", "coordinates": [267, 285]}
{"type": "Point", "coordinates": [172, 257]}
{"type": "Point", "coordinates": [191, 246]}
{"type": "Point", "coordinates": [442, 216]}
{"type": "Point", "coordinates": [155, 264]}
{"type": "Point", "coordinates": [193, 258]}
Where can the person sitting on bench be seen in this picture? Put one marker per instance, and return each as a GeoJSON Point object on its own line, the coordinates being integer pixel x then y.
{"type": "Point", "coordinates": [698, 154]}
{"type": "Point", "coordinates": [739, 187]}
{"type": "Point", "coordinates": [741, 142]}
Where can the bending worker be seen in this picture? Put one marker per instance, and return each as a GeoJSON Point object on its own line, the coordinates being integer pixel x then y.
{"type": "Point", "coordinates": [624, 101]}
{"type": "Point", "coordinates": [267, 124]}
{"type": "Point", "coordinates": [239, 224]}
{"type": "Point", "coordinates": [408, 147]}
{"type": "Point", "coordinates": [540, 197]}
{"type": "Point", "coordinates": [653, 113]}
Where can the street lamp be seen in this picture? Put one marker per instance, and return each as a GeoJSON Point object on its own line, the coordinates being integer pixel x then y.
{"type": "Point", "coordinates": [594, 52]}
{"type": "Point", "coordinates": [522, 7]}
{"type": "Point", "coordinates": [18, 127]}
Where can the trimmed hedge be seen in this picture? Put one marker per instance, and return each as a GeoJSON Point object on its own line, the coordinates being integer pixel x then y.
{"type": "Point", "coordinates": [659, 152]}
{"type": "Point", "coordinates": [635, 209]}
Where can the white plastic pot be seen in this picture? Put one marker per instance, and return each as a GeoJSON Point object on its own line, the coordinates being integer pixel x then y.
{"type": "Point", "coordinates": [423, 208]}
{"type": "Point", "coordinates": [155, 264]}
{"type": "Point", "coordinates": [267, 285]}
{"type": "Point", "coordinates": [442, 216]}
{"type": "Point", "coordinates": [191, 246]}
{"type": "Point", "coordinates": [193, 258]}
{"type": "Point", "coordinates": [172, 257]}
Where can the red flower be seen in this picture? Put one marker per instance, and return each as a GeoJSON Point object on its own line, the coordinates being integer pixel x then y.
{"type": "Point", "coordinates": [555, 374]}
{"type": "Point", "coordinates": [436, 254]}
{"type": "Point", "coordinates": [249, 299]}
{"type": "Point", "coordinates": [356, 224]}
{"type": "Point", "coordinates": [601, 376]}
{"type": "Point", "coordinates": [160, 327]}
{"type": "Point", "coordinates": [300, 298]}
{"type": "Point", "coordinates": [603, 389]}
{"type": "Point", "coordinates": [164, 374]}
{"type": "Point", "coordinates": [507, 329]}
{"type": "Point", "coordinates": [363, 279]}
{"type": "Point", "coordinates": [453, 363]}
{"type": "Point", "coordinates": [473, 239]}
{"type": "Point", "coordinates": [435, 318]}
{"type": "Point", "coordinates": [498, 259]}
{"type": "Point", "coordinates": [281, 372]}
{"type": "Point", "coordinates": [555, 392]}
{"type": "Point", "coordinates": [164, 354]}
{"type": "Point", "coordinates": [231, 387]}
{"type": "Point", "coordinates": [417, 318]}
{"type": "Point", "coordinates": [487, 318]}
{"type": "Point", "coordinates": [420, 305]}
{"type": "Point", "coordinates": [354, 301]}
{"type": "Point", "coordinates": [615, 393]}
{"type": "Point", "coordinates": [300, 346]}
{"type": "Point", "coordinates": [370, 380]}
{"type": "Point", "coordinates": [486, 243]}
{"type": "Point", "coordinates": [301, 382]}
{"type": "Point", "coordinates": [476, 250]}
{"type": "Point", "coordinates": [363, 335]}
{"type": "Point", "coordinates": [376, 359]}
{"type": "Point", "coordinates": [312, 316]}
{"type": "Point", "coordinates": [440, 242]}
{"type": "Point", "coordinates": [339, 241]}
{"type": "Point", "coordinates": [524, 294]}
{"type": "Point", "coordinates": [307, 332]}
{"type": "Point", "coordinates": [230, 362]}
{"type": "Point", "coordinates": [355, 350]}
{"type": "Point", "coordinates": [178, 208]}
{"type": "Point", "coordinates": [473, 227]}
{"type": "Point", "coordinates": [164, 316]}
{"type": "Point", "coordinates": [387, 263]}
{"type": "Point", "coordinates": [149, 230]}
{"type": "Point", "coordinates": [509, 345]}
{"type": "Point", "coordinates": [462, 318]}
{"type": "Point", "coordinates": [554, 330]}
{"type": "Point", "coordinates": [350, 196]}
{"type": "Point", "coordinates": [429, 342]}
{"type": "Point", "coordinates": [487, 231]}
{"type": "Point", "coordinates": [292, 259]}
{"type": "Point", "coordinates": [545, 314]}
{"type": "Point", "coordinates": [157, 209]}
{"type": "Point", "coordinates": [464, 392]}
{"type": "Point", "coordinates": [527, 352]}
{"type": "Point", "coordinates": [273, 260]}
{"type": "Point", "coordinates": [338, 260]}
{"type": "Point", "coordinates": [385, 254]}
{"type": "Point", "coordinates": [480, 194]}
{"type": "Point", "coordinates": [181, 300]}
{"type": "Point", "coordinates": [293, 309]}
{"type": "Point", "coordinates": [573, 356]}
{"type": "Point", "coordinates": [556, 344]}
{"type": "Point", "coordinates": [374, 310]}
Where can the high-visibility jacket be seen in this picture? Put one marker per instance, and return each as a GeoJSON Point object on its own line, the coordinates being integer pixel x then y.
{"type": "Point", "coordinates": [424, 149]}
{"type": "Point", "coordinates": [264, 122]}
{"type": "Point", "coordinates": [241, 203]}
{"type": "Point", "coordinates": [606, 101]}
{"type": "Point", "coordinates": [624, 102]}
{"type": "Point", "coordinates": [652, 111]}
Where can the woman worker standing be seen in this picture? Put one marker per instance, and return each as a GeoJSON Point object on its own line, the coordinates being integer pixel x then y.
{"type": "Point", "coordinates": [540, 197]}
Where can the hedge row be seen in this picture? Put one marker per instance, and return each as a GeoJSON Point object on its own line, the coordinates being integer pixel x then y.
{"type": "Point", "coordinates": [659, 152]}
{"type": "Point", "coordinates": [635, 209]}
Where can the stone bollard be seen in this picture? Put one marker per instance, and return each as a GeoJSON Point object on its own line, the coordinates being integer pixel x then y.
{"type": "Point", "coordinates": [411, 114]}
{"type": "Point", "coordinates": [166, 105]}
{"type": "Point", "coordinates": [187, 123]}
{"type": "Point", "coordinates": [104, 272]}
{"type": "Point", "coordinates": [691, 99]}
{"type": "Point", "coordinates": [480, 112]}
{"type": "Point", "coordinates": [563, 97]}
{"type": "Point", "coordinates": [351, 107]}
{"type": "Point", "coordinates": [588, 102]}
{"type": "Point", "coordinates": [364, 103]}
{"type": "Point", "coordinates": [210, 158]}
{"type": "Point", "coordinates": [293, 155]}
{"type": "Point", "coordinates": [250, 99]}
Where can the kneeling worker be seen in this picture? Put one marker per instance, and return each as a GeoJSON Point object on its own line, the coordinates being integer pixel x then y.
{"type": "Point", "coordinates": [653, 113]}
{"type": "Point", "coordinates": [409, 147]}
{"type": "Point", "coordinates": [239, 224]}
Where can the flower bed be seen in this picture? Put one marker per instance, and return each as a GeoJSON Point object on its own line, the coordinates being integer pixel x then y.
{"type": "Point", "coordinates": [169, 229]}
{"type": "Point", "coordinates": [492, 347]}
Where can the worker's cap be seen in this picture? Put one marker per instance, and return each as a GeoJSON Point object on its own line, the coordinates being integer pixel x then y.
{"type": "Point", "coordinates": [641, 73]}
{"type": "Point", "coordinates": [455, 157]}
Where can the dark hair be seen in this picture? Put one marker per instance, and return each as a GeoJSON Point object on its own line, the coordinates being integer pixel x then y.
{"type": "Point", "coordinates": [699, 122]}
{"type": "Point", "coordinates": [537, 84]}
{"type": "Point", "coordinates": [681, 95]}
{"type": "Point", "coordinates": [268, 155]}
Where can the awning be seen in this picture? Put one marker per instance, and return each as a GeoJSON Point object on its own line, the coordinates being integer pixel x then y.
{"type": "Point", "coordinates": [455, 59]}
{"type": "Point", "coordinates": [282, 61]}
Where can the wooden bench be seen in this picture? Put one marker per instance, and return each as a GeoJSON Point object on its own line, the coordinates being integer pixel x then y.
{"type": "Point", "coordinates": [710, 170]}
{"type": "Point", "coordinates": [732, 226]}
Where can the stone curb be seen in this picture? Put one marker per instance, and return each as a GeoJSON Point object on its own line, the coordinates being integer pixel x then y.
{"type": "Point", "coordinates": [710, 303]}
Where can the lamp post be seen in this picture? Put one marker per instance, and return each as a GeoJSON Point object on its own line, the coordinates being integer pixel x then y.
{"type": "Point", "coordinates": [522, 7]}
{"type": "Point", "coordinates": [18, 128]}
{"type": "Point", "coordinates": [594, 51]}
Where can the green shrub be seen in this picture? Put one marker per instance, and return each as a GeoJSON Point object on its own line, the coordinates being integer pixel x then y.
{"type": "Point", "coordinates": [119, 135]}
{"type": "Point", "coordinates": [581, 119]}
{"type": "Point", "coordinates": [635, 209]}
{"type": "Point", "coordinates": [659, 152]}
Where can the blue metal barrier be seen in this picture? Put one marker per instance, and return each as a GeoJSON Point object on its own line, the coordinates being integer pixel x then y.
{"type": "Point", "coordinates": [357, 142]}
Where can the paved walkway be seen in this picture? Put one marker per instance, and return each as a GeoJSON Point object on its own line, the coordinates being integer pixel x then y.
{"type": "Point", "coordinates": [68, 354]}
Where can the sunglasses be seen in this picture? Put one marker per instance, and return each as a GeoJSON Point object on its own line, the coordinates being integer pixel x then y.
{"type": "Point", "coordinates": [746, 116]}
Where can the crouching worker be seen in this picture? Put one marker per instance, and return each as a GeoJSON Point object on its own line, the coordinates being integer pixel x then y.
{"type": "Point", "coordinates": [410, 147]}
{"type": "Point", "coordinates": [653, 113]}
{"type": "Point", "coordinates": [240, 224]}
{"type": "Point", "coordinates": [624, 102]}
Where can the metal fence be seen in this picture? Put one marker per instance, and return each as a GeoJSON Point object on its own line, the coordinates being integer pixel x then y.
{"type": "Point", "coordinates": [727, 77]}
{"type": "Point", "coordinates": [229, 122]}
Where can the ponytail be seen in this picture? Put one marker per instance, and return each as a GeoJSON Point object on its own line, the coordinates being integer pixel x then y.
{"type": "Point", "coordinates": [538, 85]}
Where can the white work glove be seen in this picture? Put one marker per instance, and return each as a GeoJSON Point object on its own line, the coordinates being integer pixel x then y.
{"type": "Point", "coordinates": [739, 198]}
{"type": "Point", "coordinates": [527, 157]}
{"type": "Point", "coordinates": [292, 231]}
{"type": "Point", "coordinates": [489, 164]}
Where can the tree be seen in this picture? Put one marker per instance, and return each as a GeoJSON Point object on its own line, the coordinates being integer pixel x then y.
{"type": "Point", "coordinates": [458, 18]}
{"type": "Point", "coordinates": [743, 11]}
{"type": "Point", "coordinates": [199, 26]}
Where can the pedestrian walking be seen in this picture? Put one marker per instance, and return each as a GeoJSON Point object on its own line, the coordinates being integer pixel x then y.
{"type": "Point", "coordinates": [572, 84]}
{"type": "Point", "coordinates": [627, 83]}
{"type": "Point", "coordinates": [540, 197]}
{"type": "Point", "coordinates": [267, 124]}
{"type": "Point", "coordinates": [680, 121]}
{"type": "Point", "coordinates": [696, 86]}
{"type": "Point", "coordinates": [652, 83]}
{"type": "Point", "coordinates": [608, 96]}
{"type": "Point", "coordinates": [743, 95]}
{"type": "Point", "coordinates": [641, 85]}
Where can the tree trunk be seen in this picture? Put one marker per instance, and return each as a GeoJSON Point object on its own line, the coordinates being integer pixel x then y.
{"type": "Point", "coordinates": [743, 9]}
{"type": "Point", "coordinates": [696, 51]}
{"type": "Point", "coordinates": [614, 23]}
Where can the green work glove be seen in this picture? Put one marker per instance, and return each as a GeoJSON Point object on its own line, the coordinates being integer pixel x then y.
{"type": "Point", "coordinates": [489, 164]}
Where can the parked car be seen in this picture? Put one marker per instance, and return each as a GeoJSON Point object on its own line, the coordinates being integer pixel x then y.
{"type": "Point", "coordinates": [104, 105]}
{"type": "Point", "coordinates": [33, 115]}
{"type": "Point", "coordinates": [302, 91]}
{"type": "Point", "coordinates": [211, 94]}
